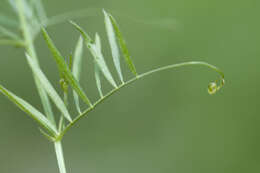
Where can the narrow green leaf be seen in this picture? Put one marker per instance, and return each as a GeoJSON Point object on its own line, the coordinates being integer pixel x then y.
{"type": "Point", "coordinates": [28, 35]}
{"type": "Point", "coordinates": [76, 69]}
{"type": "Point", "coordinates": [97, 69]}
{"type": "Point", "coordinates": [98, 81]}
{"type": "Point", "coordinates": [48, 88]}
{"type": "Point", "coordinates": [113, 45]}
{"type": "Point", "coordinates": [61, 123]}
{"type": "Point", "coordinates": [86, 37]}
{"type": "Point", "coordinates": [8, 33]}
{"type": "Point", "coordinates": [63, 67]}
{"type": "Point", "coordinates": [50, 138]}
{"type": "Point", "coordinates": [70, 61]}
{"type": "Point", "coordinates": [99, 58]}
{"type": "Point", "coordinates": [97, 54]}
{"type": "Point", "coordinates": [98, 43]}
{"type": "Point", "coordinates": [30, 110]}
{"type": "Point", "coordinates": [45, 101]}
{"type": "Point", "coordinates": [123, 46]}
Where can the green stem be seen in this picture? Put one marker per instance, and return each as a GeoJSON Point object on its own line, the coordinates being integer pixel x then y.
{"type": "Point", "coordinates": [66, 102]}
{"type": "Point", "coordinates": [85, 113]}
{"type": "Point", "coordinates": [184, 64]}
{"type": "Point", "coordinates": [29, 46]}
{"type": "Point", "coordinates": [58, 144]}
{"type": "Point", "coordinates": [60, 157]}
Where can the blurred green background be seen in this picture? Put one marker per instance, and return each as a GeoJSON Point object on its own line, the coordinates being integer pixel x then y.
{"type": "Point", "coordinates": [164, 123]}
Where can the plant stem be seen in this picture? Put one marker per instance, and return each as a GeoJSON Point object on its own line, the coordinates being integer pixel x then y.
{"type": "Point", "coordinates": [58, 144]}
{"type": "Point", "coordinates": [85, 113]}
{"type": "Point", "coordinates": [60, 157]}
{"type": "Point", "coordinates": [29, 46]}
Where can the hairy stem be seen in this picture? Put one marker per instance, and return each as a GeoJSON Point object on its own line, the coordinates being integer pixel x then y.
{"type": "Point", "coordinates": [85, 113]}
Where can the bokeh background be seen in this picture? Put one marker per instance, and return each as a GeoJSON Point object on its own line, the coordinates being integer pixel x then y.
{"type": "Point", "coordinates": [164, 123]}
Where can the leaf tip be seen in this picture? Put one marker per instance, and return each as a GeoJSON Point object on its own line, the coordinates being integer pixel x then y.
{"type": "Point", "coordinates": [43, 30]}
{"type": "Point", "coordinates": [72, 22]}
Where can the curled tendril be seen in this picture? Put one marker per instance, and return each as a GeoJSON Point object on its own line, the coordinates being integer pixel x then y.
{"type": "Point", "coordinates": [213, 87]}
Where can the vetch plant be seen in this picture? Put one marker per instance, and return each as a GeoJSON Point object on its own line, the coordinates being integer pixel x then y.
{"type": "Point", "coordinates": [31, 20]}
